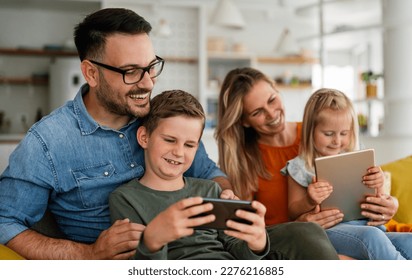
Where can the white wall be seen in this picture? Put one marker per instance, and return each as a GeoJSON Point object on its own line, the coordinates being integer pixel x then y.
{"type": "Point", "coordinates": [388, 148]}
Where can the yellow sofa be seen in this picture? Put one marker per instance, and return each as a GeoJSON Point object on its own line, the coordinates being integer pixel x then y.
{"type": "Point", "coordinates": [401, 188]}
{"type": "Point", "coordinates": [8, 254]}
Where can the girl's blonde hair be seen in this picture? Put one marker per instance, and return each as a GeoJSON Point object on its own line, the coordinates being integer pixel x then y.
{"type": "Point", "coordinates": [239, 155]}
{"type": "Point", "coordinates": [319, 101]}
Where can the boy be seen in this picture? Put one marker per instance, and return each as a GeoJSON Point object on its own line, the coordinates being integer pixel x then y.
{"type": "Point", "coordinates": [165, 201]}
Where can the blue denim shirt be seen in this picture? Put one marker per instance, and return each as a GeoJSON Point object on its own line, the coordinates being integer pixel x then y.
{"type": "Point", "coordinates": [70, 164]}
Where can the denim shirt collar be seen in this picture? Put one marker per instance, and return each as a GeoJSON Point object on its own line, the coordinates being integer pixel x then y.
{"type": "Point", "coordinates": [86, 123]}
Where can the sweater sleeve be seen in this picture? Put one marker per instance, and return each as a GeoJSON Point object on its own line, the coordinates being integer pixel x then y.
{"type": "Point", "coordinates": [142, 253]}
{"type": "Point", "coordinates": [239, 248]}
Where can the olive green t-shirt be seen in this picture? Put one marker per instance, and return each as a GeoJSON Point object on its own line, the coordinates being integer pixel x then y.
{"type": "Point", "coordinates": [141, 204]}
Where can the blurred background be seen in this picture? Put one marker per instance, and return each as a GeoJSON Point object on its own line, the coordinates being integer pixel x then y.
{"type": "Point", "coordinates": [361, 47]}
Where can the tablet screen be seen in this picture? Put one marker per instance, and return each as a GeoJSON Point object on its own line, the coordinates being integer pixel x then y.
{"type": "Point", "coordinates": [224, 209]}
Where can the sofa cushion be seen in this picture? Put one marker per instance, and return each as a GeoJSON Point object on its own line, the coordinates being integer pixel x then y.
{"type": "Point", "coordinates": [8, 254]}
{"type": "Point", "coordinates": [401, 187]}
{"type": "Point", "coordinates": [393, 225]}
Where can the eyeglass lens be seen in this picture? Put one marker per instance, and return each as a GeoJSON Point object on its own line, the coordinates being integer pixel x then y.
{"type": "Point", "coordinates": [135, 75]}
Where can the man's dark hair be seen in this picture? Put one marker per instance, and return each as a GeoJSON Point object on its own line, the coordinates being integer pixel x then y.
{"type": "Point", "coordinates": [90, 34]}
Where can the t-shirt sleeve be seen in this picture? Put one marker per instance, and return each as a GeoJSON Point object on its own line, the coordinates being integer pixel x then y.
{"type": "Point", "coordinates": [295, 168]}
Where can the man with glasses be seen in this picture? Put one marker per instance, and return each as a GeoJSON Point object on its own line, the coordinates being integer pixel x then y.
{"type": "Point", "coordinates": [71, 160]}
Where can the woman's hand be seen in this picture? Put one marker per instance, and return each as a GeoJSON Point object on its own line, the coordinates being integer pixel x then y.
{"type": "Point", "coordinates": [325, 218]}
{"type": "Point", "coordinates": [379, 209]}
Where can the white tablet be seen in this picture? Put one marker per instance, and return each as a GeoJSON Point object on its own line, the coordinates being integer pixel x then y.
{"type": "Point", "coordinates": [344, 172]}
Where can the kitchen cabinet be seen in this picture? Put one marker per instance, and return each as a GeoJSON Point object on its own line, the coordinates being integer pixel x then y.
{"type": "Point", "coordinates": [41, 80]}
{"type": "Point", "coordinates": [218, 65]}
{"type": "Point", "coordinates": [34, 34]}
{"type": "Point", "coordinates": [290, 73]}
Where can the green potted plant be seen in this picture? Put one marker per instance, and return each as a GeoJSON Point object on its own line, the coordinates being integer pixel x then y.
{"type": "Point", "coordinates": [370, 79]}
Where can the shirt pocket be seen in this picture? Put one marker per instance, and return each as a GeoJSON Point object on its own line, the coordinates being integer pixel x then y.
{"type": "Point", "coordinates": [94, 184]}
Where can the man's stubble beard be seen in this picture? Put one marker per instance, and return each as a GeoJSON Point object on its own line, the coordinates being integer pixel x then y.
{"type": "Point", "coordinates": [108, 99]}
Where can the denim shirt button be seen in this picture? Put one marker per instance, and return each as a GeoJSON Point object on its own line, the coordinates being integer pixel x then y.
{"type": "Point", "coordinates": [121, 136]}
{"type": "Point", "coordinates": [132, 165]}
{"type": "Point", "coordinates": [106, 173]}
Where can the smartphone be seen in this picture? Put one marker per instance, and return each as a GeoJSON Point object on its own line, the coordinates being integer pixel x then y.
{"type": "Point", "coordinates": [224, 209]}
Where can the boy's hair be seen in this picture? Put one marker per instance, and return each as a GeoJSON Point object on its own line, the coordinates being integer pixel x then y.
{"type": "Point", "coordinates": [173, 103]}
{"type": "Point", "coordinates": [321, 100]}
{"type": "Point", "coordinates": [90, 34]}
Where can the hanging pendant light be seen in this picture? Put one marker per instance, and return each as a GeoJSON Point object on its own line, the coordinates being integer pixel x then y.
{"type": "Point", "coordinates": [227, 14]}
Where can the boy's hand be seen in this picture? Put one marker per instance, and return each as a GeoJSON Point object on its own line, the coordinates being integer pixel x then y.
{"type": "Point", "coordinates": [319, 191]}
{"type": "Point", "coordinates": [228, 194]}
{"type": "Point", "coordinates": [254, 234]}
{"type": "Point", "coordinates": [176, 222]}
{"type": "Point", "coordinates": [374, 179]}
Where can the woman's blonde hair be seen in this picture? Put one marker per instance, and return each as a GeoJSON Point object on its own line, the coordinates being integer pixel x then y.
{"type": "Point", "coordinates": [319, 101]}
{"type": "Point", "coordinates": [239, 155]}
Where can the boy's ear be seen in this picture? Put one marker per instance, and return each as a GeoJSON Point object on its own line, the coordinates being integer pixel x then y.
{"type": "Point", "coordinates": [142, 136]}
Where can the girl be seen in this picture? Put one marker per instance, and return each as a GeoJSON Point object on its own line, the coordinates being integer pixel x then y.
{"type": "Point", "coordinates": [329, 128]}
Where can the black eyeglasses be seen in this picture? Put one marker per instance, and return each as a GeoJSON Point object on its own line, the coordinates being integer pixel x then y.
{"type": "Point", "coordinates": [135, 74]}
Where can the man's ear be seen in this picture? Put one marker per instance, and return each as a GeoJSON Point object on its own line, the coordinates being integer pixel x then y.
{"type": "Point", "coordinates": [142, 136]}
{"type": "Point", "coordinates": [90, 73]}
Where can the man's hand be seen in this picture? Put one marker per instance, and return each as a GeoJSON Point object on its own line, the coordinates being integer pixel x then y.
{"type": "Point", "coordinates": [117, 242]}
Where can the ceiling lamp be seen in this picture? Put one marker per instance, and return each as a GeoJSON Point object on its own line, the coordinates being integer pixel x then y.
{"type": "Point", "coordinates": [228, 15]}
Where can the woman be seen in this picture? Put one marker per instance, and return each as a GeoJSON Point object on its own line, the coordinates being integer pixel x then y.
{"type": "Point", "coordinates": [255, 142]}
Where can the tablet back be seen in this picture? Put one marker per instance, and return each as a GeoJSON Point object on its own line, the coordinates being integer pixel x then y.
{"type": "Point", "coordinates": [344, 172]}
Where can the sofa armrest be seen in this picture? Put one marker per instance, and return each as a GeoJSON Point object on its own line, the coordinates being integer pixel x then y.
{"type": "Point", "coordinates": [8, 254]}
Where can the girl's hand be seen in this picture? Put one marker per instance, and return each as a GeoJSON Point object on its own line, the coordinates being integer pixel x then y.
{"type": "Point", "coordinates": [319, 191]}
{"type": "Point", "coordinates": [255, 233]}
{"type": "Point", "coordinates": [374, 179]}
